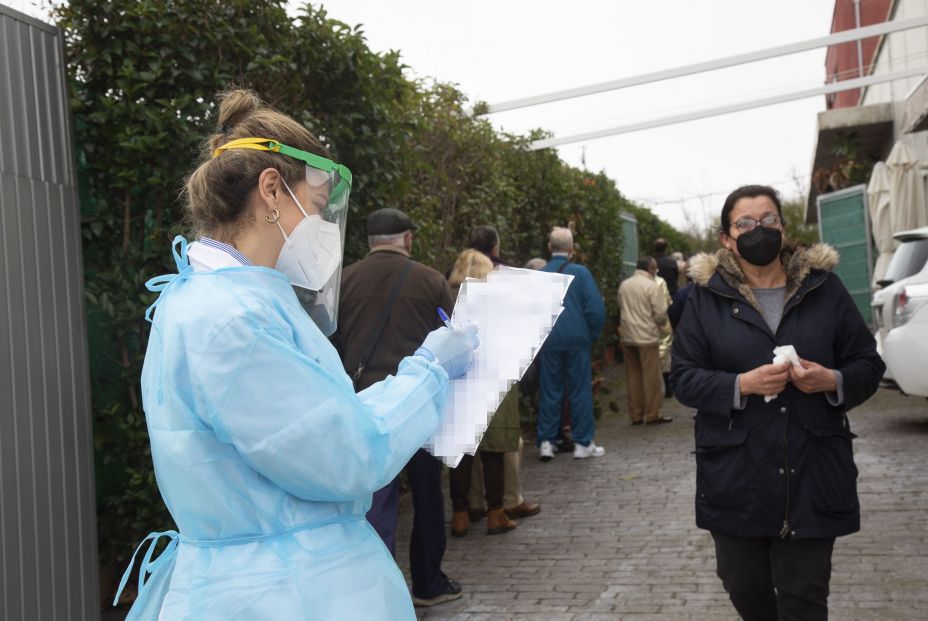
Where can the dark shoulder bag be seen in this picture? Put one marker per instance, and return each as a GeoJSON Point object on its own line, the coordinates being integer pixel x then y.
{"type": "Point", "coordinates": [374, 337]}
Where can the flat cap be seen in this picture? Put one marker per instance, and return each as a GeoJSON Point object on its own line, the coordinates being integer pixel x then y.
{"type": "Point", "coordinates": [389, 221]}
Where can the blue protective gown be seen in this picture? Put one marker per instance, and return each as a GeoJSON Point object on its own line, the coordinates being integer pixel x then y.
{"type": "Point", "coordinates": [267, 459]}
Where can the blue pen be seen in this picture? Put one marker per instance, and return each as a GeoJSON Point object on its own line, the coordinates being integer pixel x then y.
{"type": "Point", "coordinates": [444, 317]}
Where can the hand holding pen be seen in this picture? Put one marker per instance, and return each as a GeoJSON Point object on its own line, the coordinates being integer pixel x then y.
{"type": "Point", "coordinates": [444, 317]}
{"type": "Point", "coordinates": [452, 348]}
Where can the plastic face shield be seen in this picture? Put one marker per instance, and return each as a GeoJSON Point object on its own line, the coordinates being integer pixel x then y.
{"type": "Point", "coordinates": [330, 189]}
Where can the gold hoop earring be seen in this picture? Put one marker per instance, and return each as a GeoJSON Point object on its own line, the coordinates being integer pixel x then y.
{"type": "Point", "coordinates": [274, 217]}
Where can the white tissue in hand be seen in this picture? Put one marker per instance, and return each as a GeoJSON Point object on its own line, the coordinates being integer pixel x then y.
{"type": "Point", "coordinates": [781, 354]}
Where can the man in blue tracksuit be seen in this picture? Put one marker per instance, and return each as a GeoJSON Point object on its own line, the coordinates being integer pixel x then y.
{"type": "Point", "coordinates": [564, 361]}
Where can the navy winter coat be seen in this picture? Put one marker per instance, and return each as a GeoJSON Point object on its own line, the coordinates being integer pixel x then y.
{"type": "Point", "coordinates": [675, 312]}
{"type": "Point", "coordinates": [584, 312]}
{"type": "Point", "coordinates": [784, 468]}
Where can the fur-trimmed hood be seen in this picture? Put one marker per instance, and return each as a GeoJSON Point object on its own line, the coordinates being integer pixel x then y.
{"type": "Point", "coordinates": [797, 262]}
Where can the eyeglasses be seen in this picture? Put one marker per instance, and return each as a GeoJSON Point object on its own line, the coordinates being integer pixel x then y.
{"type": "Point", "coordinates": [746, 224]}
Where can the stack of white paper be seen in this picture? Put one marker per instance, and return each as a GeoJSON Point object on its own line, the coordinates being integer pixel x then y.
{"type": "Point", "coordinates": [515, 310]}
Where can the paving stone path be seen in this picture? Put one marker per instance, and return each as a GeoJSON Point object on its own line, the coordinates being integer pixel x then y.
{"type": "Point", "coordinates": [616, 537]}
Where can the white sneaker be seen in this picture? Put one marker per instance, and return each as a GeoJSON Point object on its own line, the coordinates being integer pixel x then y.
{"type": "Point", "coordinates": [590, 450]}
{"type": "Point", "coordinates": [546, 451]}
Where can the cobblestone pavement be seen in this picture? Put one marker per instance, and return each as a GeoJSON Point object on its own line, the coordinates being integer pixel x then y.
{"type": "Point", "coordinates": [616, 537]}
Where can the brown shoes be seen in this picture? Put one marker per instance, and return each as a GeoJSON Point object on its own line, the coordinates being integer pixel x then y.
{"type": "Point", "coordinates": [460, 523]}
{"type": "Point", "coordinates": [498, 522]}
{"type": "Point", "coordinates": [526, 509]}
{"type": "Point", "coordinates": [477, 514]}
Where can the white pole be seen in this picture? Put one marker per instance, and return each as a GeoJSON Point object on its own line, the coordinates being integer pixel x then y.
{"type": "Point", "coordinates": [833, 87]}
{"type": "Point", "coordinates": [730, 61]}
{"type": "Point", "coordinates": [860, 48]}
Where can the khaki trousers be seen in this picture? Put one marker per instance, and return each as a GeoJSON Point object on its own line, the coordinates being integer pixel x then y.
{"type": "Point", "coordinates": [512, 482]}
{"type": "Point", "coordinates": [643, 381]}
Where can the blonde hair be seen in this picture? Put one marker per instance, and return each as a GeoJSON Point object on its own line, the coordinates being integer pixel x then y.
{"type": "Point", "coordinates": [469, 264]}
{"type": "Point", "coordinates": [218, 191]}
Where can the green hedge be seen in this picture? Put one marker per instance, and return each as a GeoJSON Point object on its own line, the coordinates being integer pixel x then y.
{"type": "Point", "coordinates": [143, 75]}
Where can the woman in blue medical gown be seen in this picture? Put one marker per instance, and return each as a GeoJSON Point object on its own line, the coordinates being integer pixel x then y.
{"type": "Point", "coordinates": [263, 453]}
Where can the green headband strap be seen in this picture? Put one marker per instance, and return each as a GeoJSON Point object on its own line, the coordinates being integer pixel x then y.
{"type": "Point", "coordinates": [266, 144]}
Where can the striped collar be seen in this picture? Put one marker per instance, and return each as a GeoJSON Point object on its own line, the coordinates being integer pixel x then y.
{"type": "Point", "coordinates": [209, 254]}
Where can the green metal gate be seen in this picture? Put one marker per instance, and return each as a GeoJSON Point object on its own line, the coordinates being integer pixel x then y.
{"type": "Point", "coordinates": [630, 244]}
{"type": "Point", "coordinates": [843, 223]}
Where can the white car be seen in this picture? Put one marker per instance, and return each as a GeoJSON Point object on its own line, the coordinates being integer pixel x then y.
{"type": "Point", "coordinates": [901, 312]}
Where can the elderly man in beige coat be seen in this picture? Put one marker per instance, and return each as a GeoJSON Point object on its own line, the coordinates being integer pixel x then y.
{"type": "Point", "coordinates": [643, 310]}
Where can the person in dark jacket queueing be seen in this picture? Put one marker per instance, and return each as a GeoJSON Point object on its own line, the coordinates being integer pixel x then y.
{"type": "Point", "coordinates": [666, 266]}
{"type": "Point", "coordinates": [775, 481]}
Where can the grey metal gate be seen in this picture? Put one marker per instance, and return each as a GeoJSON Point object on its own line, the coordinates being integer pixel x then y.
{"type": "Point", "coordinates": [48, 551]}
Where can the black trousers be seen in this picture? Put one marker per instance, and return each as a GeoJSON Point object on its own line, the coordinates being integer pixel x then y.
{"type": "Point", "coordinates": [427, 541]}
{"type": "Point", "coordinates": [775, 579]}
{"type": "Point", "coordinates": [459, 481]}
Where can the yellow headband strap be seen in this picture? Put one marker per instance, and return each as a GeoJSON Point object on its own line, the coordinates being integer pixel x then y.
{"type": "Point", "coordinates": [258, 144]}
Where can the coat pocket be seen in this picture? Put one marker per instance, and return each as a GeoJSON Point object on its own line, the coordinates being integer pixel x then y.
{"type": "Point", "coordinates": [722, 467]}
{"type": "Point", "coordinates": [832, 472]}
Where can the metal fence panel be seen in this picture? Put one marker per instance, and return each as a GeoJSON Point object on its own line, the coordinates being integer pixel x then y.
{"type": "Point", "coordinates": [845, 224]}
{"type": "Point", "coordinates": [48, 558]}
{"type": "Point", "coordinates": [629, 244]}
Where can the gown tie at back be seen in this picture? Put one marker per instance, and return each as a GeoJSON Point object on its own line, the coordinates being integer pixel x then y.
{"type": "Point", "coordinates": [166, 558]}
{"type": "Point", "coordinates": [166, 281]}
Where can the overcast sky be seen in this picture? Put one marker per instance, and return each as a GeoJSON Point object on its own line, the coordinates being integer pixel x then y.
{"type": "Point", "coordinates": [507, 49]}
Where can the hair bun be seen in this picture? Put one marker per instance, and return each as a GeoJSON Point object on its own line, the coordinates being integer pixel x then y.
{"type": "Point", "coordinates": [236, 106]}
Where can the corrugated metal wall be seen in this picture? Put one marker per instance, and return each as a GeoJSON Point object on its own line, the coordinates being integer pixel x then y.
{"type": "Point", "coordinates": [48, 559]}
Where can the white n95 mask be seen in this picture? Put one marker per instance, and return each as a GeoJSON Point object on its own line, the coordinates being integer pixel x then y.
{"type": "Point", "coordinates": [311, 254]}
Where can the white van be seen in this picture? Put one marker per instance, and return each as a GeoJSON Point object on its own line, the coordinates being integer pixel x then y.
{"type": "Point", "coordinates": [901, 311]}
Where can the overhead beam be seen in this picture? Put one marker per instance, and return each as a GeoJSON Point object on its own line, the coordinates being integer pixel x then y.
{"type": "Point", "coordinates": [826, 89]}
{"type": "Point", "coordinates": [711, 65]}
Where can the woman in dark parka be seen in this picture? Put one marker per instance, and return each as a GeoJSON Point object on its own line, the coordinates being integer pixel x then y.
{"type": "Point", "coordinates": [775, 481]}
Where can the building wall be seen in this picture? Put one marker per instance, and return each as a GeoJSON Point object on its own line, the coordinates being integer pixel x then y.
{"type": "Point", "coordinates": [900, 50]}
{"type": "Point", "coordinates": [48, 558]}
{"type": "Point", "coordinates": [841, 62]}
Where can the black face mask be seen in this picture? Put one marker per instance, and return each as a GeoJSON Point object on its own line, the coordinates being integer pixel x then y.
{"type": "Point", "coordinates": [760, 246]}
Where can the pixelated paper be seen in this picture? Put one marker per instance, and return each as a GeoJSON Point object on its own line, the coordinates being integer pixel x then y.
{"type": "Point", "coordinates": [515, 310]}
